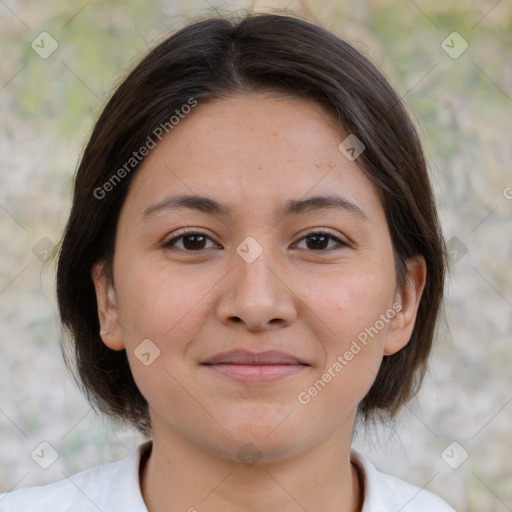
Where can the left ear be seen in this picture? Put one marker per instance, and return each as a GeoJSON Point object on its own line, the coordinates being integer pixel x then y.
{"type": "Point", "coordinates": [402, 325]}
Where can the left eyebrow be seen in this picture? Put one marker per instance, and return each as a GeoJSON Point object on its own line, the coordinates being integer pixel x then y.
{"type": "Point", "coordinates": [297, 206]}
{"type": "Point", "coordinates": [290, 207]}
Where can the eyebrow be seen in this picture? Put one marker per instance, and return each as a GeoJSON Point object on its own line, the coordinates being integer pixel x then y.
{"type": "Point", "coordinates": [290, 207]}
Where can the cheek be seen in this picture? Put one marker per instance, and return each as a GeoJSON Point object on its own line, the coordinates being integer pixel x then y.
{"type": "Point", "coordinates": [350, 300]}
{"type": "Point", "coordinates": [167, 307]}
{"type": "Point", "coordinates": [157, 302]}
{"type": "Point", "coordinates": [347, 317]}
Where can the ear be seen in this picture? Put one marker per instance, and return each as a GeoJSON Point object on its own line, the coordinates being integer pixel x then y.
{"type": "Point", "coordinates": [402, 325]}
{"type": "Point", "coordinates": [107, 311]}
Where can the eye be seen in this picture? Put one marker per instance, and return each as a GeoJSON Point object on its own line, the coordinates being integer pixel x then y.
{"type": "Point", "coordinates": [319, 240]}
{"type": "Point", "coordinates": [193, 241]}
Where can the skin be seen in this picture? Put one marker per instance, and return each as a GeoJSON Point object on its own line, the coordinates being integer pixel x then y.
{"type": "Point", "coordinates": [252, 152]}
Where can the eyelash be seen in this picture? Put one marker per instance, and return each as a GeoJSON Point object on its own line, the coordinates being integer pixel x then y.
{"type": "Point", "coordinates": [170, 244]}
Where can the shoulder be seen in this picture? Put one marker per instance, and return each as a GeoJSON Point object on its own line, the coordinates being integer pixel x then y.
{"type": "Point", "coordinates": [394, 494]}
{"type": "Point", "coordinates": [113, 486]}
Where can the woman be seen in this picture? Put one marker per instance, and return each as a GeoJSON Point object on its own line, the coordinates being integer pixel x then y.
{"type": "Point", "coordinates": [253, 262]}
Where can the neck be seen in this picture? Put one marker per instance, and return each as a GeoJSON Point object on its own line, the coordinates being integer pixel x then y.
{"type": "Point", "coordinates": [180, 476]}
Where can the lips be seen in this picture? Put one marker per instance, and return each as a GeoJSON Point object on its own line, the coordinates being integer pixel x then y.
{"type": "Point", "coordinates": [244, 357]}
{"type": "Point", "coordinates": [255, 368]}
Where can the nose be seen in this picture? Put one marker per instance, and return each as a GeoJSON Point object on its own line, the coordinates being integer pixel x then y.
{"type": "Point", "coordinates": [257, 295]}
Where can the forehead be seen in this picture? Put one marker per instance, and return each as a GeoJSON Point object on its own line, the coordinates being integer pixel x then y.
{"type": "Point", "coordinates": [252, 151]}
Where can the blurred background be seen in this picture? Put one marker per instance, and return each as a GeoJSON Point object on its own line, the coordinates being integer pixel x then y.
{"type": "Point", "coordinates": [451, 61]}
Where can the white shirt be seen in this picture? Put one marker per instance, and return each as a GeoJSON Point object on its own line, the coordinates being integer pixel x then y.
{"type": "Point", "coordinates": [115, 487]}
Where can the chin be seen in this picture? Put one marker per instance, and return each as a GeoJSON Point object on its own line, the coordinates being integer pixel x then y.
{"type": "Point", "coordinates": [267, 437]}
{"type": "Point", "coordinates": [251, 451]}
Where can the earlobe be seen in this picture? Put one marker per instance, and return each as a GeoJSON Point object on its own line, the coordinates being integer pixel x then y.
{"type": "Point", "coordinates": [110, 330]}
{"type": "Point", "coordinates": [409, 297]}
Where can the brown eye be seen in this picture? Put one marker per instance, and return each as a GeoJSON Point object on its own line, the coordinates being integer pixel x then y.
{"type": "Point", "coordinates": [191, 242]}
{"type": "Point", "coordinates": [319, 241]}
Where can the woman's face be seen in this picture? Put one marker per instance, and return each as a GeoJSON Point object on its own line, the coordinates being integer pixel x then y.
{"type": "Point", "coordinates": [302, 290]}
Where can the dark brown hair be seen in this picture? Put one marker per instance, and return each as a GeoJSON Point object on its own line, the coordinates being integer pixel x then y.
{"type": "Point", "coordinates": [214, 58]}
